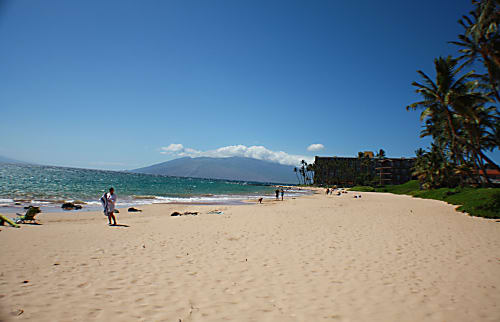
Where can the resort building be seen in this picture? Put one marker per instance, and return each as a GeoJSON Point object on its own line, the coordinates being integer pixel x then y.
{"type": "Point", "coordinates": [493, 174]}
{"type": "Point", "coordinates": [363, 170]}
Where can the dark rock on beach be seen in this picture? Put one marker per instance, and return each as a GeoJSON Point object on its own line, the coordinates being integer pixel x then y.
{"type": "Point", "coordinates": [187, 213]}
{"type": "Point", "coordinates": [70, 206]}
{"type": "Point", "coordinates": [132, 209]}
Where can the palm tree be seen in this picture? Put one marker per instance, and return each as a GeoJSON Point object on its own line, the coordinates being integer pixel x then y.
{"type": "Point", "coordinates": [310, 169]}
{"type": "Point", "coordinates": [303, 174]}
{"type": "Point", "coordinates": [456, 118]}
{"type": "Point", "coordinates": [432, 168]}
{"type": "Point", "coordinates": [304, 171]}
{"type": "Point", "coordinates": [439, 97]}
{"type": "Point", "coordinates": [455, 107]}
{"type": "Point", "coordinates": [481, 41]}
{"type": "Point", "coordinates": [381, 154]}
{"type": "Point", "coordinates": [296, 174]}
{"type": "Point", "coordinates": [478, 126]}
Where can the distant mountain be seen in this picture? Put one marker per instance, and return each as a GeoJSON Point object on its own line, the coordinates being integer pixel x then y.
{"type": "Point", "coordinates": [9, 160]}
{"type": "Point", "coordinates": [233, 168]}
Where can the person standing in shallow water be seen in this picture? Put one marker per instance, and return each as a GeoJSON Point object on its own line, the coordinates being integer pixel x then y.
{"type": "Point", "coordinates": [282, 193]}
{"type": "Point", "coordinates": [110, 205]}
{"type": "Point", "coordinates": [277, 194]}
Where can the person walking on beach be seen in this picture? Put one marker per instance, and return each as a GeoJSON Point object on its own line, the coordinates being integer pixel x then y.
{"type": "Point", "coordinates": [277, 194]}
{"type": "Point", "coordinates": [282, 193]}
{"type": "Point", "coordinates": [108, 201]}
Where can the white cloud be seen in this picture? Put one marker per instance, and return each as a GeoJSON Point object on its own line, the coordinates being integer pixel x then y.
{"type": "Point", "coordinates": [172, 148]}
{"type": "Point", "coordinates": [256, 152]}
{"type": "Point", "coordinates": [315, 147]}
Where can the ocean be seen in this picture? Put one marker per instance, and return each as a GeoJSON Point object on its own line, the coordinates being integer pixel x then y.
{"type": "Point", "coordinates": [49, 186]}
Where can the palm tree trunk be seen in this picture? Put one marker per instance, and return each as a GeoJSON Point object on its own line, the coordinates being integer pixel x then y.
{"type": "Point", "coordinates": [475, 148]}
{"type": "Point", "coordinates": [458, 156]}
{"type": "Point", "coordinates": [476, 174]}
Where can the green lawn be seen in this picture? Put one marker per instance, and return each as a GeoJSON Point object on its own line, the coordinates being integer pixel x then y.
{"type": "Point", "coordinates": [480, 202]}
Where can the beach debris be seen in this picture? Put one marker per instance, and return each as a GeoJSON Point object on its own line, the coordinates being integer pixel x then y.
{"type": "Point", "coordinates": [25, 282]}
{"type": "Point", "coordinates": [216, 212]}
{"type": "Point", "coordinates": [187, 213]}
{"type": "Point", "coordinates": [132, 209]}
{"type": "Point", "coordinates": [56, 264]}
{"type": "Point", "coordinates": [116, 211]}
{"type": "Point", "coordinates": [17, 312]}
{"type": "Point", "coordinates": [71, 206]}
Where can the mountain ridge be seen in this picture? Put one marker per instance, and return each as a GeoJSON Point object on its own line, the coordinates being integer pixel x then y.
{"type": "Point", "coordinates": [231, 168]}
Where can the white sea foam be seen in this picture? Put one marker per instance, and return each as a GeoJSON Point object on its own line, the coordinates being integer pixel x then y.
{"type": "Point", "coordinates": [93, 203]}
{"type": "Point", "coordinates": [192, 199]}
{"type": "Point", "coordinates": [38, 202]}
{"type": "Point", "coordinates": [129, 201]}
{"type": "Point", "coordinates": [6, 200]}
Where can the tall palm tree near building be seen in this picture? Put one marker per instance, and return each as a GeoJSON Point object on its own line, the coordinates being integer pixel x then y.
{"type": "Point", "coordinates": [432, 169]}
{"type": "Point", "coordinates": [306, 170]}
{"type": "Point", "coordinates": [481, 41]}
{"type": "Point", "coordinates": [455, 115]}
{"type": "Point", "coordinates": [310, 170]}
{"type": "Point", "coordinates": [364, 176]}
{"type": "Point", "coordinates": [439, 98]}
{"type": "Point", "coordinates": [478, 128]}
{"type": "Point", "coordinates": [303, 170]}
{"type": "Point", "coordinates": [457, 107]}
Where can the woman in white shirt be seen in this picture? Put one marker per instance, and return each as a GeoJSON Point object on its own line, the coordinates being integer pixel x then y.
{"type": "Point", "coordinates": [111, 198]}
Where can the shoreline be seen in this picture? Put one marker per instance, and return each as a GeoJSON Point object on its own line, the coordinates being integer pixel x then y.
{"type": "Point", "coordinates": [383, 257]}
{"type": "Point", "coordinates": [12, 206]}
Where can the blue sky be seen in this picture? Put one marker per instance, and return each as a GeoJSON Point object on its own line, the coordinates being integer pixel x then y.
{"type": "Point", "coordinates": [122, 84]}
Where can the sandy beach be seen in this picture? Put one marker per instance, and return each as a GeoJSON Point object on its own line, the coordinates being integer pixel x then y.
{"type": "Point", "coordinates": [315, 258]}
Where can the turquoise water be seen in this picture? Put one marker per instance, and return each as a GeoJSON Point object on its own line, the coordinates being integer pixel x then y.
{"type": "Point", "coordinates": [49, 185]}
